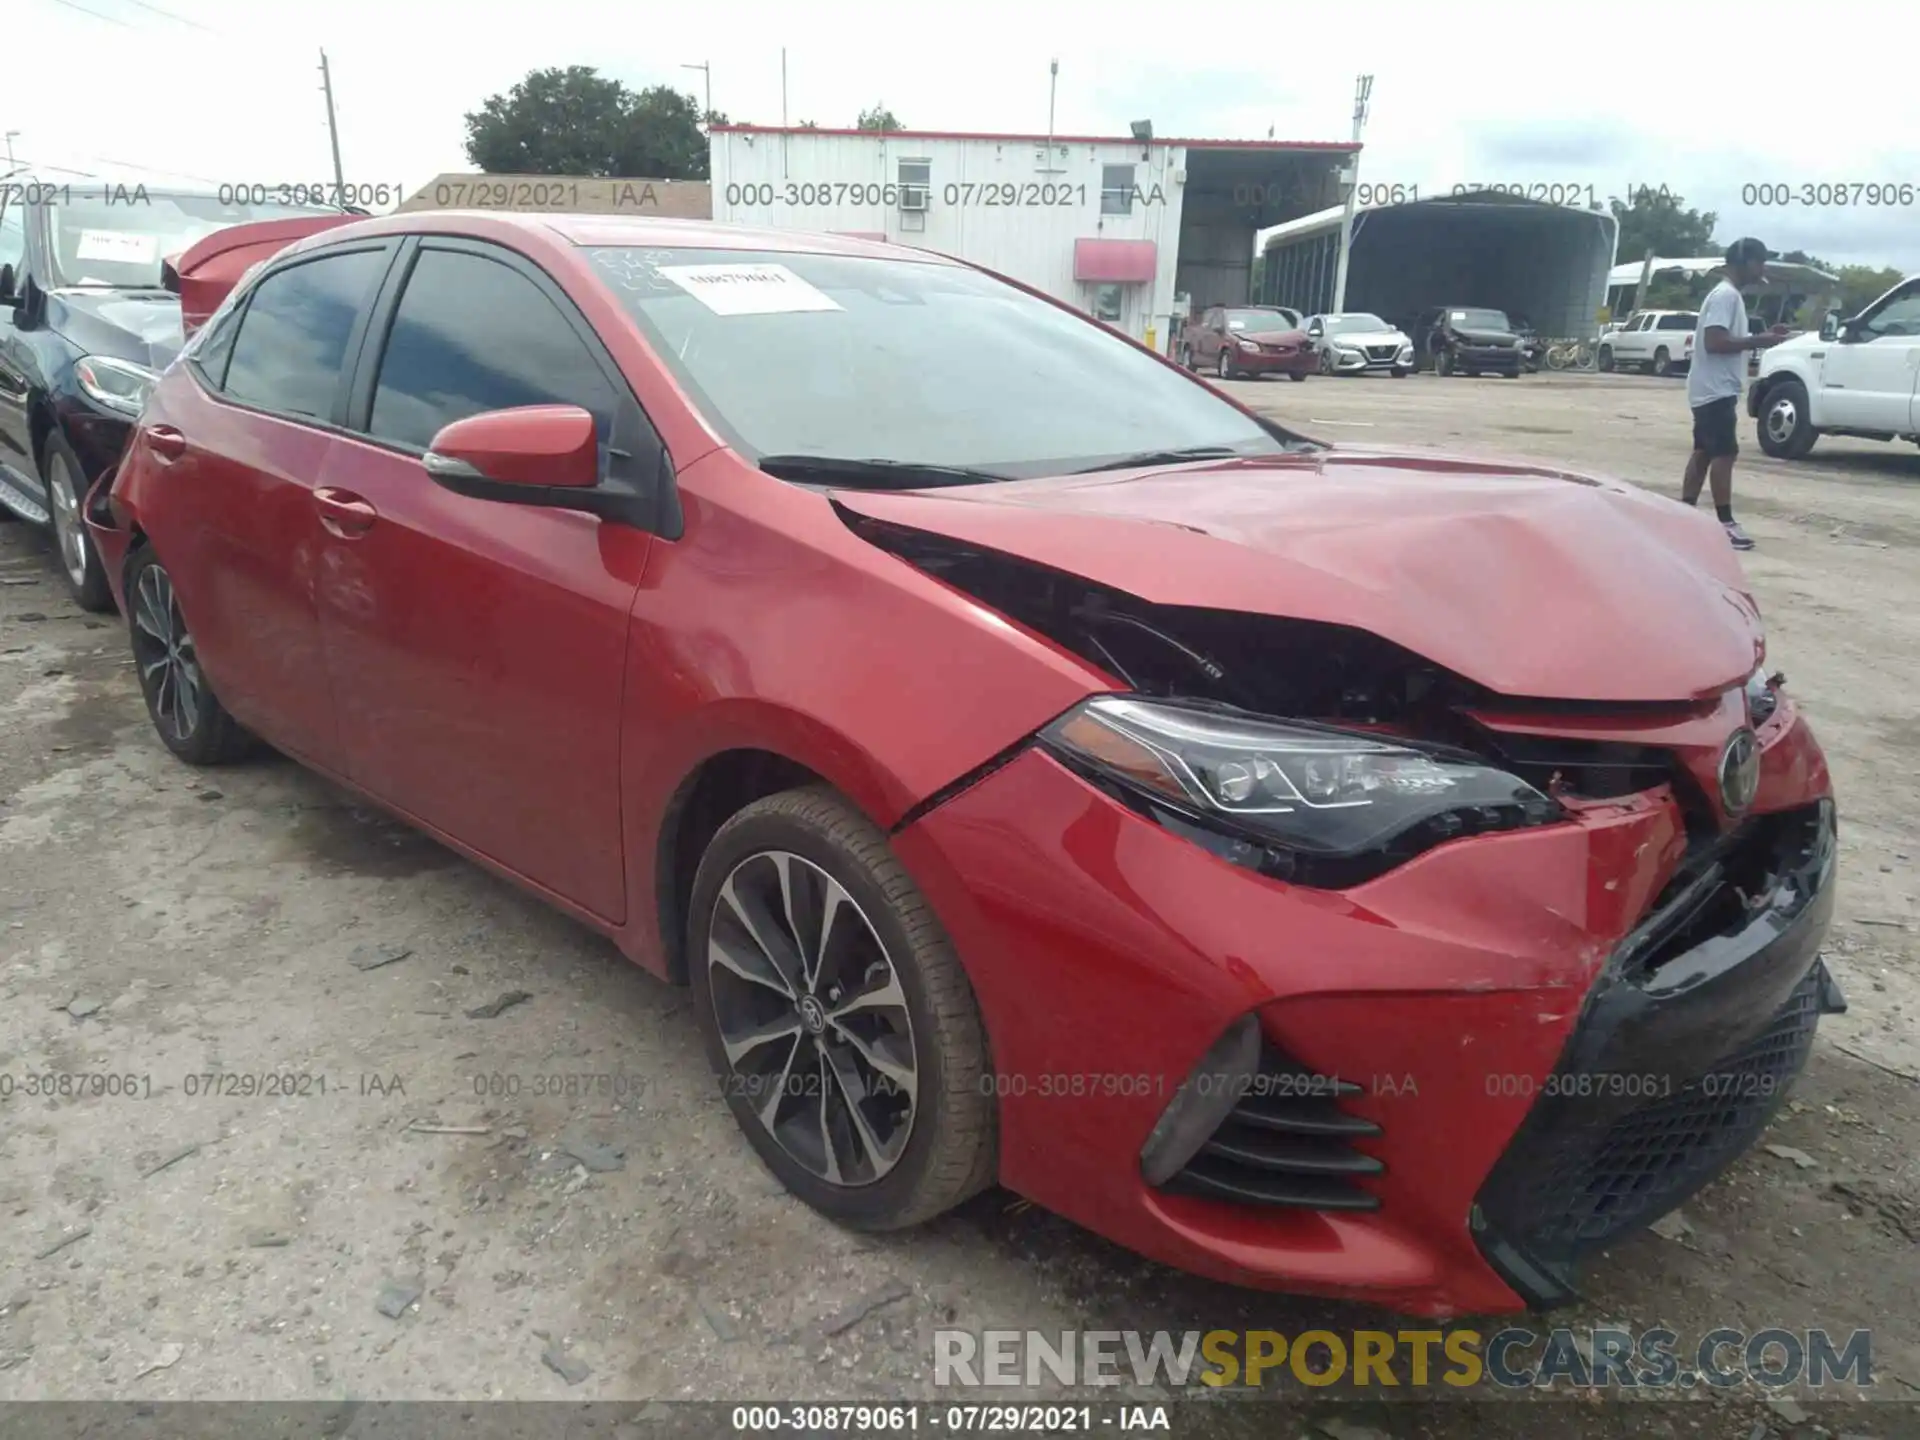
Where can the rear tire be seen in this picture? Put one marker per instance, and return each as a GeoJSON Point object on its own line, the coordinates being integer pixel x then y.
{"type": "Point", "coordinates": [1662, 362]}
{"type": "Point", "coordinates": [870, 1147]}
{"type": "Point", "coordinates": [1785, 430]}
{"type": "Point", "coordinates": [65, 479]}
{"type": "Point", "coordinates": [189, 717]}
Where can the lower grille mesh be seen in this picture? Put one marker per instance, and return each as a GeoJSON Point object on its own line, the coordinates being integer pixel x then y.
{"type": "Point", "coordinates": [1575, 1192]}
{"type": "Point", "coordinates": [1287, 1142]}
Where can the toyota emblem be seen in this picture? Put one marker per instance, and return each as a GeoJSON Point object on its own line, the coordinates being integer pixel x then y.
{"type": "Point", "coordinates": [1739, 771]}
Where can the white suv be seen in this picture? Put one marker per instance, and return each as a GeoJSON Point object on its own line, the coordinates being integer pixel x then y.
{"type": "Point", "coordinates": [1855, 377]}
{"type": "Point", "coordinates": [1656, 340]}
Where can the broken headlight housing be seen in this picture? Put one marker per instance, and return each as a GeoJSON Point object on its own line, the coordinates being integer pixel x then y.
{"type": "Point", "coordinates": [1307, 803]}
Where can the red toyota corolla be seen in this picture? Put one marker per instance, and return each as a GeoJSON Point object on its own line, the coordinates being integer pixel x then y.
{"type": "Point", "coordinates": [1340, 871]}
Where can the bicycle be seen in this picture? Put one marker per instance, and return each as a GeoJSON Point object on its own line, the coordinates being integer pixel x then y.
{"type": "Point", "coordinates": [1571, 355]}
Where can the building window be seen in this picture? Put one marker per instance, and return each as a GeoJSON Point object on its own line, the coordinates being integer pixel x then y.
{"type": "Point", "coordinates": [1116, 189]}
{"type": "Point", "coordinates": [1106, 303]}
{"type": "Point", "coordinates": [916, 183]}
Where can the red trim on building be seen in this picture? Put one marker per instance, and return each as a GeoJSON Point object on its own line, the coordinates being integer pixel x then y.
{"type": "Point", "coordinates": [1115, 262]}
{"type": "Point", "coordinates": [1323, 146]}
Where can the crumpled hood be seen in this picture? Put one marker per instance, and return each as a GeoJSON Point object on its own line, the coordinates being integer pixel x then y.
{"type": "Point", "coordinates": [1533, 582]}
{"type": "Point", "coordinates": [138, 325]}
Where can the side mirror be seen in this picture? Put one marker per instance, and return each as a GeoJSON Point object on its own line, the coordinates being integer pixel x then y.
{"type": "Point", "coordinates": [1830, 325]}
{"type": "Point", "coordinates": [7, 297]}
{"type": "Point", "coordinates": [518, 455]}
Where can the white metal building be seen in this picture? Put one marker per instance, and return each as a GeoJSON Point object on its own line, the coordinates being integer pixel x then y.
{"type": "Point", "coordinates": [1117, 227]}
{"type": "Point", "coordinates": [1547, 262]}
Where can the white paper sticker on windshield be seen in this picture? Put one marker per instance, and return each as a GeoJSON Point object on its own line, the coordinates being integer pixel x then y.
{"type": "Point", "coordinates": [747, 289]}
{"type": "Point", "coordinates": [119, 245]}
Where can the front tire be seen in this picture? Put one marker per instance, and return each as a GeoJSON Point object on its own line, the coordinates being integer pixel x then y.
{"type": "Point", "coordinates": [80, 566]}
{"type": "Point", "coordinates": [192, 722]}
{"type": "Point", "coordinates": [1606, 359]}
{"type": "Point", "coordinates": [837, 1017]}
{"type": "Point", "coordinates": [1785, 429]}
{"type": "Point", "coordinates": [1443, 364]}
{"type": "Point", "coordinates": [1223, 367]}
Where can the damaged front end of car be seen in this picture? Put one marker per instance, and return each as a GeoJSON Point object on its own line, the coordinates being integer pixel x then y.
{"type": "Point", "coordinates": [1329, 758]}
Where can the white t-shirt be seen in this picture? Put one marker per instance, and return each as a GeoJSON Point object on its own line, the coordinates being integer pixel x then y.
{"type": "Point", "coordinates": [1710, 376]}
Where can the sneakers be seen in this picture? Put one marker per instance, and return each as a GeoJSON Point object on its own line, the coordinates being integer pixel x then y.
{"type": "Point", "coordinates": [1741, 540]}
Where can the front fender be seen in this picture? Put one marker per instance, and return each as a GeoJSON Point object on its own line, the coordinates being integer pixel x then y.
{"type": "Point", "coordinates": [771, 626]}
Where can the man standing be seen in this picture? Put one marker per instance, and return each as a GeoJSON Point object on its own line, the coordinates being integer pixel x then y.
{"type": "Point", "coordinates": [1720, 344]}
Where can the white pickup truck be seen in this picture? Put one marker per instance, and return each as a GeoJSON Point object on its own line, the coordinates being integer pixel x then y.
{"type": "Point", "coordinates": [1660, 341]}
{"type": "Point", "coordinates": [1855, 377]}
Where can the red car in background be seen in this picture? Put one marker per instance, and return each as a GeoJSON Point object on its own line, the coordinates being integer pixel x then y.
{"type": "Point", "coordinates": [1342, 871]}
{"type": "Point", "coordinates": [1248, 340]}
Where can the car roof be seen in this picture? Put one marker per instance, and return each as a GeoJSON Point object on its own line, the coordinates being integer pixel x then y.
{"type": "Point", "coordinates": [592, 231]}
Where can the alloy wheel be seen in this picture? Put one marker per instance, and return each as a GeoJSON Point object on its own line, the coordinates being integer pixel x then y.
{"type": "Point", "coordinates": [813, 1019]}
{"type": "Point", "coordinates": [1783, 417]}
{"type": "Point", "coordinates": [68, 529]}
{"type": "Point", "coordinates": [164, 651]}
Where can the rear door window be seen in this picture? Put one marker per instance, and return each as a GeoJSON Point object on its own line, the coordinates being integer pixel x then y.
{"type": "Point", "coordinates": [292, 339]}
{"type": "Point", "coordinates": [1678, 322]}
{"type": "Point", "coordinates": [472, 334]}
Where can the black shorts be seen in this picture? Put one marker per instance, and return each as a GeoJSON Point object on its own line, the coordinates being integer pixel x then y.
{"type": "Point", "coordinates": [1714, 426]}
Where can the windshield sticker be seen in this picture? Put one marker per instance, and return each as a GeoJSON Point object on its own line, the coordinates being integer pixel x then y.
{"type": "Point", "coordinates": [122, 245]}
{"type": "Point", "coordinates": [747, 289]}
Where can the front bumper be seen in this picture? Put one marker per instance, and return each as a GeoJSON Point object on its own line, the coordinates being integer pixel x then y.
{"type": "Point", "coordinates": [1268, 362]}
{"type": "Point", "coordinates": [1505, 358]}
{"type": "Point", "coordinates": [1109, 955]}
{"type": "Point", "coordinates": [1369, 362]}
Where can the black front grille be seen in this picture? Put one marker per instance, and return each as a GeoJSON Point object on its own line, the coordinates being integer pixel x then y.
{"type": "Point", "coordinates": [1383, 352]}
{"type": "Point", "coordinates": [1287, 1142]}
{"type": "Point", "coordinates": [1566, 1189]}
{"type": "Point", "coordinates": [1591, 769]}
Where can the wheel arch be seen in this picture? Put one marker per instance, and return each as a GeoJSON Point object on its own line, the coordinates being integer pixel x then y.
{"type": "Point", "coordinates": [711, 793]}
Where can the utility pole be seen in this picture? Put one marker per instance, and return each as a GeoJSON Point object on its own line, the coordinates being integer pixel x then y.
{"type": "Point", "coordinates": [333, 134]}
{"type": "Point", "coordinates": [1362, 93]}
{"type": "Point", "coordinates": [705, 67]}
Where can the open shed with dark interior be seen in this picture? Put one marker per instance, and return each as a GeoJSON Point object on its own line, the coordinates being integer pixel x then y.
{"type": "Point", "coordinates": [1547, 263]}
{"type": "Point", "coordinates": [1234, 190]}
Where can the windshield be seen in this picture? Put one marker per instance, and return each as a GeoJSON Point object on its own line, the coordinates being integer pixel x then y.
{"type": "Point", "coordinates": [112, 240]}
{"type": "Point", "coordinates": [1260, 320]}
{"type": "Point", "coordinates": [1479, 319]}
{"type": "Point", "coordinates": [911, 362]}
{"type": "Point", "coordinates": [1341, 324]}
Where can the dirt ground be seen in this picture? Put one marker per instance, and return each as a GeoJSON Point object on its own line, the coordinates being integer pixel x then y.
{"type": "Point", "coordinates": [159, 924]}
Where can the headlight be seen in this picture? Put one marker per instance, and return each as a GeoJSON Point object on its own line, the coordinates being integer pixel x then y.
{"type": "Point", "coordinates": [117, 384]}
{"type": "Point", "coordinates": [1247, 345]}
{"type": "Point", "coordinates": [1289, 798]}
{"type": "Point", "coordinates": [1762, 698]}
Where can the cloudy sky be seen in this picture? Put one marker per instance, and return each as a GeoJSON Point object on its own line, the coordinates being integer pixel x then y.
{"type": "Point", "coordinates": [1705, 99]}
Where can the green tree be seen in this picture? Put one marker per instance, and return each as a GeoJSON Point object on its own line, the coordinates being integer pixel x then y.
{"type": "Point", "coordinates": [574, 121]}
{"type": "Point", "coordinates": [878, 118]}
{"type": "Point", "coordinates": [1659, 220]}
{"type": "Point", "coordinates": [1860, 285]}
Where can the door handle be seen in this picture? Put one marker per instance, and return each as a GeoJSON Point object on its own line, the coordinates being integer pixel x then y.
{"type": "Point", "coordinates": [166, 442]}
{"type": "Point", "coordinates": [344, 513]}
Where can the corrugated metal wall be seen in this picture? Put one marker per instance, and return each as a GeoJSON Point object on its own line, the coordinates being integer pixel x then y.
{"type": "Point", "coordinates": [1013, 206]}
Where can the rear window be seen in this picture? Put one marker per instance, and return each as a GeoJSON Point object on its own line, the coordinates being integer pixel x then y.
{"type": "Point", "coordinates": [918, 362]}
{"type": "Point", "coordinates": [1678, 322]}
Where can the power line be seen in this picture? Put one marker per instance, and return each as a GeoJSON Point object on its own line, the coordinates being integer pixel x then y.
{"type": "Point", "coordinates": [94, 13]}
{"type": "Point", "coordinates": [171, 16]}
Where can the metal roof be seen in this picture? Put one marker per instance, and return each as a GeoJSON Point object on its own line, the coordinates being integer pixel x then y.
{"type": "Point", "coordinates": [1629, 274]}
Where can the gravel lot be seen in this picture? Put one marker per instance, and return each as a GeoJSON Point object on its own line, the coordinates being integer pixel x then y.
{"type": "Point", "coordinates": [162, 923]}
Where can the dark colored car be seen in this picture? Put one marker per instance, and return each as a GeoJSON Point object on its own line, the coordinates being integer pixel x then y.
{"type": "Point", "coordinates": [1469, 340]}
{"type": "Point", "coordinates": [85, 329]}
{"type": "Point", "coordinates": [1246, 340]}
{"type": "Point", "coordinates": [1360, 872]}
